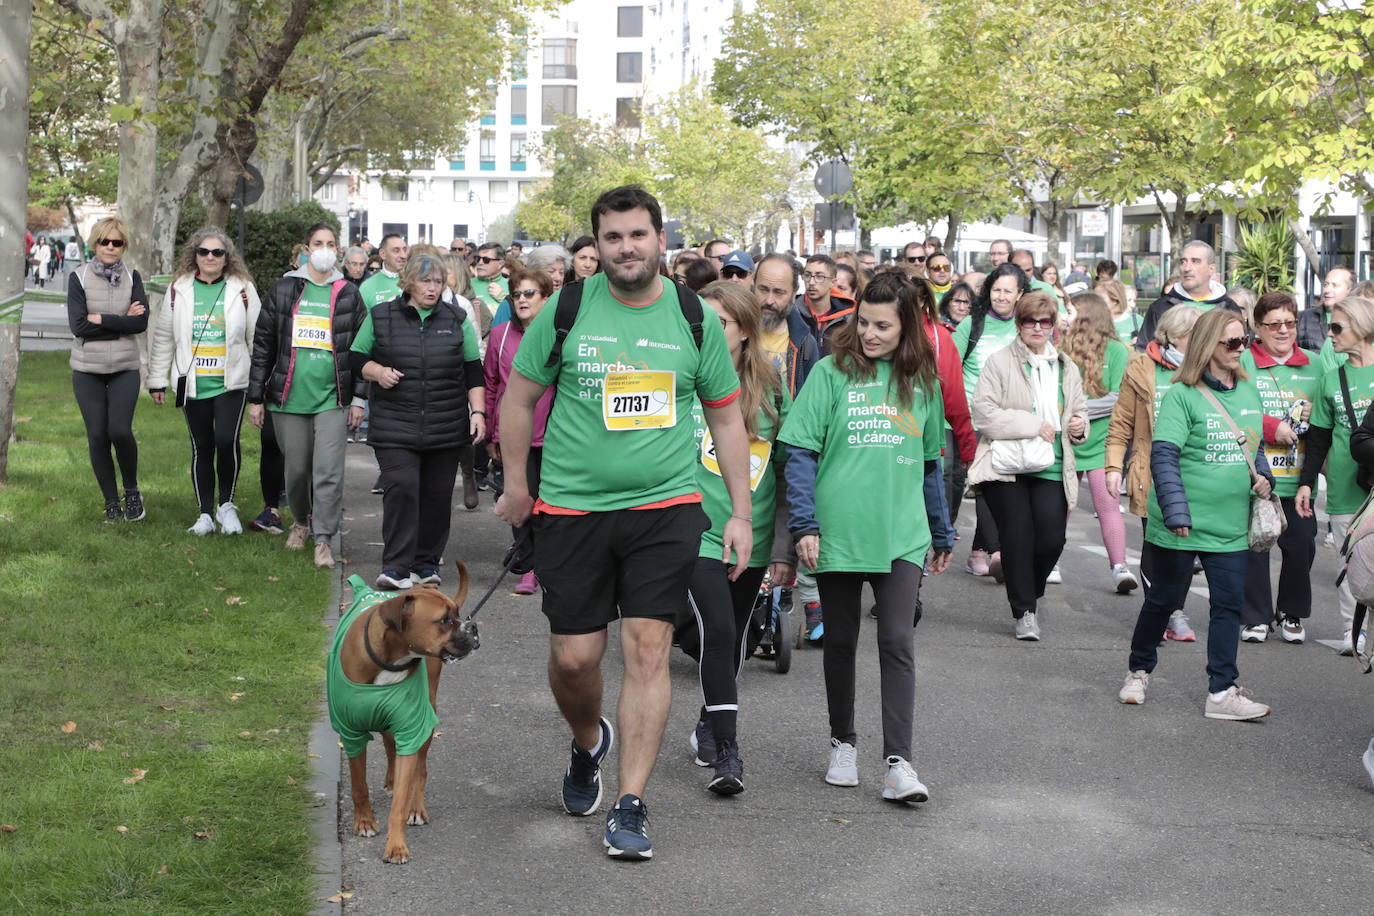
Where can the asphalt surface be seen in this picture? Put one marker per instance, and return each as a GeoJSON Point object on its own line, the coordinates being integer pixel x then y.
{"type": "Point", "coordinates": [1048, 796]}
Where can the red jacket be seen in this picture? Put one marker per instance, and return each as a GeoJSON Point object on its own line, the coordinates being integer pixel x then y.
{"type": "Point", "coordinates": [951, 372]}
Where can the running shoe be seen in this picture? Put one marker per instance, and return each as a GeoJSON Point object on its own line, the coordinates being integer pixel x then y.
{"type": "Point", "coordinates": [1124, 579]}
{"type": "Point", "coordinates": [1027, 627]}
{"type": "Point", "coordinates": [1132, 693]}
{"type": "Point", "coordinates": [1348, 644]}
{"type": "Point", "coordinates": [268, 521]}
{"type": "Point", "coordinates": [1178, 628]}
{"type": "Point", "coordinates": [1258, 633]}
{"type": "Point", "coordinates": [426, 575]}
{"type": "Point", "coordinates": [228, 517]}
{"type": "Point", "coordinates": [902, 784]}
{"type": "Point", "coordinates": [324, 555]}
{"type": "Point", "coordinates": [393, 581]}
{"type": "Point", "coordinates": [729, 778]}
{"type": "Point", "coordinates": [1055, 577]}
{"type": "Point", "coordinates": [133, 506]}
{"type": "Point", "coordinates": [1291, 630]}
{"type": "Point", "coordinates": [815, 623]}
{"type": "Point", "coordinates": [377, 487]}
{"type": "Point", "coordinates": [528, 584]}
{"type": "Point", "coordinates": [703, 742]}
{"type": "Point", "coordinates": [1368, 760]}
{"type": "Point", "coordinates": [1235, 705]}
{"type": "Point", "coordinates": [627, 830]}
{"type": "Point", "coordinates": [295, 539]}
{"type": "Point", "coordinates": [203, 526]}
{"type": "Point", "coordinates": [482, 480]}
{"type": "Point", "coordinates": [112, 511]}
{"type": "Point", "coordinates": [977, 563]}
{"type": "Point", "coordinates": [995, 567]}
{"type": "Point", "coordinates": [844, 764]}
{"type": "Point", "coordinates": [582, 780]}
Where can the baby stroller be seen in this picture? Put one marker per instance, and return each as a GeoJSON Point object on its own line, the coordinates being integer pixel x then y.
{"type": "Point", "coordinates": [769, 626]}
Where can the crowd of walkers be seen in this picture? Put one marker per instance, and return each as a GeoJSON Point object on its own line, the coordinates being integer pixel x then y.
{"type": "Point", "coordinates": [675, 434]}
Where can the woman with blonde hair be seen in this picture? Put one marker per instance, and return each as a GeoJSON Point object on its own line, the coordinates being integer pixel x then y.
{"type": "Point", "coordinates": [1124, 318]}
{"type": "Point", "coordinates": [1092, 344]}
{"type": "Point", "coordinates": [723, 607]}
{"type": "Point", "coordinates": [107, 310]}
{"type": "Point", "coordinates": [202, 347]}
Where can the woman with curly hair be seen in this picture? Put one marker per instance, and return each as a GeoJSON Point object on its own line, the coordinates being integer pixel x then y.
{"type": "Point", "coordinates": [1092, 343]}
{"type": "Point", "coordinates": [203, 346]}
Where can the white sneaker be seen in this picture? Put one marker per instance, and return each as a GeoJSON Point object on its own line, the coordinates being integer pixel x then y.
{"type": "Point", "coordinates": [1258, 633]}
{"type": "Point", "coordinates": [1132, 692]}
{"type": "Point", "coordinates": [1125, 579]}
{"type": "Point", "coordinates": [844, 764]}
{"type": "Point", "coordinates": [1028, 627]}
{"type": "Point", "coordinates": [1368, 760]}
{"type": "Point", "coordinates": [1055, 577]}
{"type": "Point", "coordinates": [228, 517]}
{"type": "Point", "coordinates": [1292, 630]}
{"type": "Point", "coordinates": [1348, 644]}
{"type": "Point", "coordinates": [902, 783]}
{"type": "Point", "coordinates": [1235, 705]}
{"type": "Point", "coordinates": [203, 526]}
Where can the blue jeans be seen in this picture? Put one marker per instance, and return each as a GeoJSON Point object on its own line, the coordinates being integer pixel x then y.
{"type": "Point", "coordinates": [1173, 574]}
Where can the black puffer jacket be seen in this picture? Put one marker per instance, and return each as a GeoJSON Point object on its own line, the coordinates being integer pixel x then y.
{"type": "Point", "coordinates": [428, 407]}
{"type": "Point", "coordinates": [271, 367]}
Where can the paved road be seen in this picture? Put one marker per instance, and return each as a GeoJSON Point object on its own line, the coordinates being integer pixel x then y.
{"type": "Point", "coordinates": [1048, 795]}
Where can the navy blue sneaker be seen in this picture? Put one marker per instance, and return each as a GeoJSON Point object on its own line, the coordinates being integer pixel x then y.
{"type": "Point", "coordinates": [704, 744]}
{"type": "Point", "coordinates": [627, 830]}
{"type": "Point", "coordinates": [582, 781]}
{"type": "Point", "coordinates": [426, 575]}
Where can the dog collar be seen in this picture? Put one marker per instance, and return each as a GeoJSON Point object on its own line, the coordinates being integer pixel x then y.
{"type": "Point", "coordinates": [367, 644]}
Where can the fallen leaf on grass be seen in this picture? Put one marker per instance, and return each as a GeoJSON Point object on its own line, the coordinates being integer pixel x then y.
{"type": "Point", "coordinates": [95, 746]}
{"type": "Point", "coordinates": [8, 828]}
{"type": "Point", "coordinates": [238, 677]}
{"type": "Point", "coordinates": [206, 834]}
{"type": "Point", "coordinates": [273, 579]}
{"type": "Point", "coordinates": [205, 612]}
{"type": "Point", "coordinates": [316, 756]}
{"type": "Point", "coordinates": [167, 544]}
{"type": "Point", "coordinates": [290, 781]}
{"type": "Point", "coordinates": [137, 777]}
{"type": "Point", "coordinates": [219, 588]}
{"type": "Point", "coordinates": [22, 419]}
{"type": "Point", "coordinates": [68, 727]}
{"type": "Point", "coordinates": [234, 599]}
{"type": "Point", "coordinates": [245, 734]}
{"type": "Point", "coordinates": [166, 708]}
{"type": "Point", "coordinates": [121, 829]}
{"type": "Point", "coordinates": [234, 697]}
{"type": "Point", "coordinates": [337, 898]}
{"type": "Point", "coordinates": [164, 870]}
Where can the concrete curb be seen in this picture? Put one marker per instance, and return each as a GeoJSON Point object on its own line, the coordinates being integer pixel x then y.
{"type": "Point", "coordinates": [324, 779]}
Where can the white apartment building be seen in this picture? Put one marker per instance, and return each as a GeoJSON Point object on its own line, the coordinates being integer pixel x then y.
{"type": "Point", "coordinates": [586, 59]}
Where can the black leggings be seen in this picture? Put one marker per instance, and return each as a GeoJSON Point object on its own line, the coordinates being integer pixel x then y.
{"type": "Point", "coordinates": [214, 425]}
{"type": "Point", "coordinates": [897, 593]}
{"type": "Point", "coordinates": [722, 609]}
{"type": "Point", "coordinates": [1036, 509]}
{"type": "Point", "coordinates": [985, 536]}
{"type": "Point", "coordinates": [272, 466]}
{"type": "Point", "coordinates": [107, 404]}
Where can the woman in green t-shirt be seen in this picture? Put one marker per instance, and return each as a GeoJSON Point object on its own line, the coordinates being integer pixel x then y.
{"type": "Point", "coordinates": [1125, 319]}
{"type": "Point", "coordinates": [1101, 358]}
{"type": "Point", "coordinates": [1328, 439]}
{"type": "Point", "coordinates": [723, 606]}
{"type": "Point", "coordinates": [1201, 508]}
{"type": "Point", "coordinates": [864, 427]}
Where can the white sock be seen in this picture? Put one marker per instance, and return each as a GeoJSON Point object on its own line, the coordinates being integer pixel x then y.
{"type": "Point", "coordinates": [1217, 697]}
{"type": "Point", "coordinates": [599, 742]}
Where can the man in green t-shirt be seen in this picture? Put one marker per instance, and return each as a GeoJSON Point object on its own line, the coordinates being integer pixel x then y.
{"type": "Point", "coordinates": [487, 282]}
{"type": "Point", "coordinates": [385, 284]}
{"type": "Point", "coordinates": [619, 514]}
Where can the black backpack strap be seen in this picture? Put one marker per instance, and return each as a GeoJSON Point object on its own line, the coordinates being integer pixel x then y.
{"type": "Point", "coordinates": [564, 316]}
{"type": "Point", "coordinates": [1345, 395]}
{"type": "Point", "coordinates": [690, 303]}
{"type": "Point", "coordinates": [975, 331]}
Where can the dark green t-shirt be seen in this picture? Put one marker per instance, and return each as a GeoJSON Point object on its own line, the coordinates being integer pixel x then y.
{"type": "Point", "coordinates": [870, 500]}
{"type": "Point", "coordinates": [620, 434]}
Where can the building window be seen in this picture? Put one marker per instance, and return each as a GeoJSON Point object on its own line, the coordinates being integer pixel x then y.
{"type": "Point", "coordinates": [627, 112]}
{"type": "Point", "coordinates": [486, 151]}
{"type": "Point", "coordinates": [558, 102]}
{"type": "Point", "coordinates": [329, 192]}
{"type": "Point", "coordinates": [629, 67]}
{"type": "Point", "coordinates": [460, 192]}
{"type": "Point", "coordinates": [395, 189]}
{"type": "Point", "coordinates": [517, 104]}
{"type": "Point", "coordinates": [400, 229]}
{"type": "Point", "coordinates": [630, 22]}
{"type": "Point", "coordinates": [457, 163]}
{"type": "Point", "coordinates": [519, 60]}
{"type": "Point", "coordinates": [497, 191]}
{"type": "Point", "coordinates": [460, 230]}
{"type": "Point", "coordinates": [517, 152]}
{"type": "Point", "coordinates": [560, 58]}
{"type": "Point", "coordinates": [489, 105]}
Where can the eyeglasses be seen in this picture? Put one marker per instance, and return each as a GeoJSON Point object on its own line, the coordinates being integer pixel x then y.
{"type": "Point", "coordinates": [726, 322]}
{"type": "Point", "coordinates": [211, 252]}
{"type": "Point", "coordinates": [960, 301]}
{"type": "Point", "coordinates": [459, 250]}
{"type": "Point", "coordinates": [1336, 328]}
{"type": "Point", "coordinates": [1279, 325]}
{"type": "Point", "coordinates": [523, 293]}
{"type": "Point", "coordinates": [1233, 343]}
{"type": "Point", "coordinates": [717, 257]}
{"type": "Point", "coordinates": [486, 260]}
{"type": "Point", "coordinates": [817, 278]}
{"type": "Point", "coordinates": [1045, 323]}
{"type": "Point", "coordinates": [916, 259]}
{"type": "Point", "coordinates": [113, 243]}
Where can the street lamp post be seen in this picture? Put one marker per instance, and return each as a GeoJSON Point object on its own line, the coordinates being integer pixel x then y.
{"type": "Point", "coordinates": [482, 215]}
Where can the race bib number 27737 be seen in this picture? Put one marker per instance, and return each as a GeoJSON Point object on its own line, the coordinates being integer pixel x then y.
{"type": "Point", "coordinates": [639, 399]}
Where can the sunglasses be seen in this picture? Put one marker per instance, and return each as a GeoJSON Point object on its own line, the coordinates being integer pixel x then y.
{"type": "Point", "coordinates": [486, 260]}
{"type": "Point", "coordinates": [1046, 323]}
{"type": "Point", "coordinates": [523, 293]}
{"type": "Point", "coordinates": [918, 259]}
{"type": "Point", "coordinates": [113, 243]}
{"type": "Point", "coordinates": [1279, 325]}
{"type": "Point", "coordinates": [734, 273]}
{"type": "Point", "coordinates": [1336, 328]}
{"type": "Point", "coordinates": [1233, 343]}
{"type": "Point", "coordinates": [211, 252]}
{"type": "Point", "coordinates": [459, 250]}
{"type": "Point", "coordinates": [939, 267]}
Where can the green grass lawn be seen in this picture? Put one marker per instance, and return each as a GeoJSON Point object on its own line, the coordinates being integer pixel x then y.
{"type": "Point", "coordinates": [196, 662]}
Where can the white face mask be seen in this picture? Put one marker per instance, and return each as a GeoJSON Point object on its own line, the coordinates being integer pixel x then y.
{"type": "Point", "coordinates": [323, 260]}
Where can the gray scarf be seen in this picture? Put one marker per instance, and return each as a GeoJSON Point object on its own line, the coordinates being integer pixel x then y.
{"type": "Point", "coordinates": [111, 272]}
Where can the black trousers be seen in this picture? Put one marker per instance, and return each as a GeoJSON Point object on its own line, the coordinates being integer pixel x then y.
{"type": "Point", "coordinates": [1035, 508]}
{"type": "Point", "coordinates": [417, 505]}
{"type": "Point", "coordinates": [985, 536]}
{"type": "Point", "coordinates": [1298, 548]}
{"type": "Point", "coordinates": [896, 592]}
{"type": "Point", "coordinates": [272, 467]}
{"type": "Point", "coordinates": [215, 456]}
{"type": "Point", "coordinates": [955, 478]}
{"type": "Point", "coordinates": [722, 609]}
{"type": "Point", "coordinates": [107, 402]}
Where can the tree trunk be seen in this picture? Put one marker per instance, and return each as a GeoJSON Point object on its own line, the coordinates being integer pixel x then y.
{"type": "Point", "coordinates": [952, 223]}
{"type": "Point", "coordinates": [14, 187]}
{"type": "Point", "coordinates": [138, 48]}
{"type": "Point", "coordinates": [1304, 241]}
{"type": "Point", "coordinates": [1054, 232]}
{"type": "Point", "coordinates": [1176, 221]}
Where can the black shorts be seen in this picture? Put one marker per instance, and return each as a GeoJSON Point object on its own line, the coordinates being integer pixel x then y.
{"type": "Point", "coordinates": [626, 563]}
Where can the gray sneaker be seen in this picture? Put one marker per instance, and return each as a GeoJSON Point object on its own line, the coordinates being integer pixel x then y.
{"type": "Point", "coordinates": [902, 784]}
{"type": "Point", "coordinates": [1235, 705]}
{"type": "Point", "coordinates": [1027, 627]}
{"type": "Point", "coordinates": [844, 764]}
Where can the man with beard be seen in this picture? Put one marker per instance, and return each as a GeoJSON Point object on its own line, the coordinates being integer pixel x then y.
{"type": "Point", "coordinates": [619, 515]}
{"type": "Point", "coordinates": [786, 338]}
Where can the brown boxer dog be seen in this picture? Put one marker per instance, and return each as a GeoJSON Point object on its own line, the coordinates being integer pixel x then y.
{"type": "Point", "coordinates": [419, 625]}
